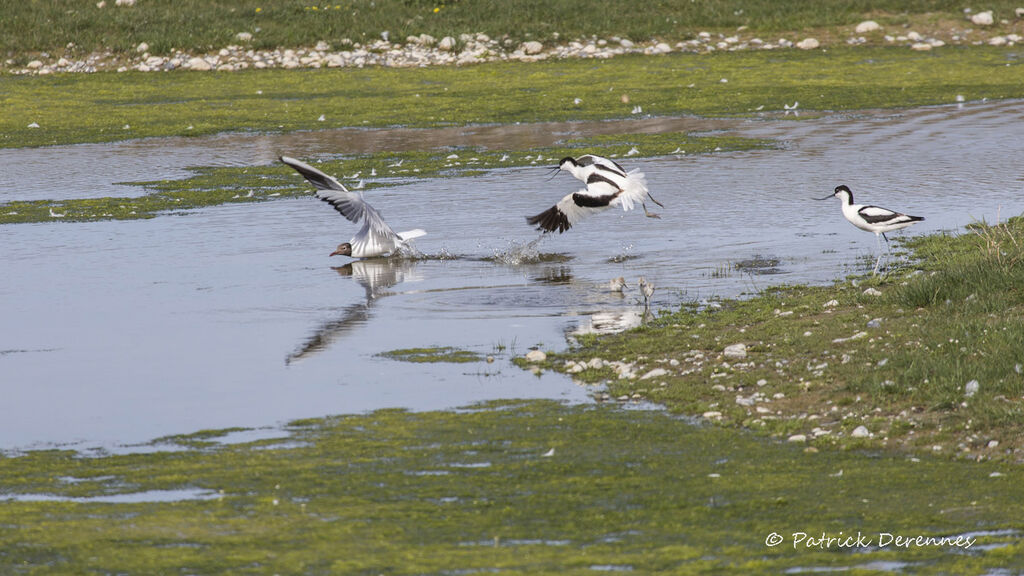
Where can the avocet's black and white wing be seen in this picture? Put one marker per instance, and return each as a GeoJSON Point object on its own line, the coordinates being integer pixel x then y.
{"type": "Point", "coordinates": [601, 163]}
{"type": "Point", "coordinates": [597, 196]}
{"type": "Point", "coordinates": [879, 216]}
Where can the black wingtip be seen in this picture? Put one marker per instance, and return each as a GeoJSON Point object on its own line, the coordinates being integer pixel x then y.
{"type": "Point", "coordinates": [550, 220]}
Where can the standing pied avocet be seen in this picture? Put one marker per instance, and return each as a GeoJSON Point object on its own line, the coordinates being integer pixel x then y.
{"type": "Point", "coordinates": [872, 218]}
{"type": "Point", "coordinates": [632, 184]}
{"type": "Point", "coordinates": [375, 238]}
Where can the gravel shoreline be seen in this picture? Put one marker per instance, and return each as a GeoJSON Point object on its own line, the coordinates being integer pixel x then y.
{"type": "Point", "coordinates": [425, 50]}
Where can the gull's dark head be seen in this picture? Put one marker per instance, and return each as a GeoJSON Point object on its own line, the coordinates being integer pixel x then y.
{"type": "Point", "coordinates": [344, 249]}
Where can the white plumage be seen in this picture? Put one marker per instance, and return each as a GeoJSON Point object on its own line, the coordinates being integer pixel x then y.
{"type": "Point", "coordinates": [607, 185]}
{"type": "Point", "coordinates": [633, 184]}
{"type": "Point", "coordinates": [872, 218]}
{"type": "Point", "coordinates": [375, 238]}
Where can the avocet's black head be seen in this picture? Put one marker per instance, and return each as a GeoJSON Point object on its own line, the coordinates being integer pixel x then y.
{"type": "Point", "coordinates": [344, 249]}
{"type": "Point", "coordinates": [841, 190]}
{"type": "Point", "coordinates": [566, 162]}
{"type": "Point", "coordinates": [838, 193]}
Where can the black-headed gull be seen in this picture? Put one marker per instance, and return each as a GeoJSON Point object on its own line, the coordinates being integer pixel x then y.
{"type": "Point", "coordinates": [375, 238]}
{"type": "Point", "coordinates": [871, 218]}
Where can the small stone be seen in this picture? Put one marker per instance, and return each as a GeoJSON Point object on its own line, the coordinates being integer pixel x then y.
{"type": "Point", "coordinates": [736, 351]}
{"type": "Point", "coordinates": [490, 359]}
{"type": "Point", "coordinates": [808, 44]}
{"type": "Point", "coordinates": [33, 125]}
{"type": "Point", "coordinates": [654, 373]}
{"type": "Point", "coordinates": [536, 356]}
{"type": "Point", "coordinates": [995, 475]}
{"type": "Point", "coordinates": [243, 36]}
{"type": "Point", "coordinates": [1019, 12]}
{"type": "Point", "coordinates": [446, 44]}
{"type": "Point", "coordinates": [625, 43]}
{"type": "Point", "coordinates": [860, 432]}
{"type": "Point", "coordinates": [797, 438]}
{"type": "Point", "coordinates": [979, 19]}
{"type": "Point", "coordinates": [914, 36]}
{"type": "Point", "coordinates": [198, 63]}
{"type": "Point", "coordinates": [872, 292]}
{"type": "Point", "coordinates": [993, 444]}
{"type": "Point", "coordinates": [34, 65]}
{"type": "Point", "coordinates": [971, 388]}
{"type": "Point", "coordinates": [867, 26]}
{"type": "Point", "coordinates": [532, 47]}
{"type": "Point", "coordinates": [997, 41]}
{"type": "Point", "coordinates": [831, 303]}
{"type": "Point", "coordinates": [142, 47]}
{"type": "Point", "coordinates": [875, 323]}
{"type": "Point", "coordinates": [921, 46]}
{"type": "Point", "coordinates": [125, 3]}
{"type": "Point", "coordinates": [712, 415]}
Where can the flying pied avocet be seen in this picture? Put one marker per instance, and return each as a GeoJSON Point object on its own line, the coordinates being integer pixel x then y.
{"type": "Point", "coordinates": [607, 185]}
{"type": "Point", "coordinates": [633, 183]}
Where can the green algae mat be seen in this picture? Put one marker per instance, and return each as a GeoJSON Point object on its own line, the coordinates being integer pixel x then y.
{"type": "Point", "coordinates": [105, 107]}
{"type": "Point", "coordinates": [516, 487]}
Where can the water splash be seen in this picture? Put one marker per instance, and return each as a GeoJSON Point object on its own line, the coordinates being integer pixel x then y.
{"type": "Point", "coordinates": [517, 254]}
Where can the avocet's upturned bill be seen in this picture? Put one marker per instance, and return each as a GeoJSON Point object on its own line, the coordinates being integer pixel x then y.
{"type": "Point", "coordinates": [633, 184]}
{"type": "Point", "coordinates": [871, 218]}
{"type": "Point", "coordinates": [375, 238]}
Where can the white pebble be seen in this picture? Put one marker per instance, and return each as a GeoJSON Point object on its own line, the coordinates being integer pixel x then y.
{"type": "Point", "coordinates": [536, 356]}
{"type": "Point", "coordinates": [979, 19]}
{"type": "Point", "coordinates": [808, 44]}
{"type": "Point", "coordinates": [867, 26]}
{"type": "Point", "coordinates": [860, 432]}
{"type": "Point", "coordinates": [797, 438]}
{"type": "Point", "coordinates": [736, 351]}
{"type": "Point", "coordinates": [971, 388]}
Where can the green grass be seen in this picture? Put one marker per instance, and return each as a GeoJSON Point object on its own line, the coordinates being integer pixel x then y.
{"type": "Point", "coordinates": [50, 25]}
{"type": "Point", "coordinates": [834, 358]}
{"type": "Point", "coordinates": [440, 354]}
{"type": "Point", "coordinates": [215, 186]}
{"type": "Point", "coordinates": [106, 107]}
{"type": "Point", "coordinates": [532, 487]}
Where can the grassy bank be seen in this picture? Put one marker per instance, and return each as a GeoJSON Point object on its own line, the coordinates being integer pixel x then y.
{"type": "Point", "coordinates": [68, 109]}
{"type": "Point", "coordinates": [192, 25]}
{"type": "Point", "coordinates": [215, 186]}
{"type": "Point", "coordinates": [926, 359]}
{"type": "Point", "coordinates": [534, 487]}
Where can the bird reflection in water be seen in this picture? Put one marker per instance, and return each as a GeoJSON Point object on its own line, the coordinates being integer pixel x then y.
{"type": "Point", "coordinates": [375, 276]}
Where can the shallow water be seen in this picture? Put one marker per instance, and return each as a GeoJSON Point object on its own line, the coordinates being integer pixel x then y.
{"type": "Point", "coordinates": [118, 332]}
